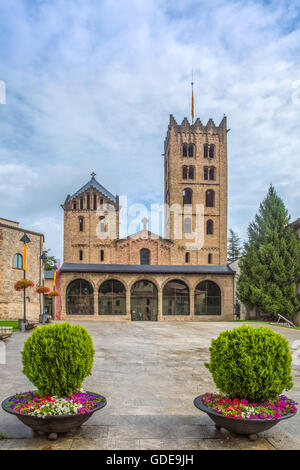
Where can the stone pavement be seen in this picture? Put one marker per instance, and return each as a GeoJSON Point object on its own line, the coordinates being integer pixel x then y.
{"type": "Point", "coordinates": [150, 373]}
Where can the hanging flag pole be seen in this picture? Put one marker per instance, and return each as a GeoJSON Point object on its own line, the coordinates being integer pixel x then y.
{"type": "Point", "coordinates": [192, 85]}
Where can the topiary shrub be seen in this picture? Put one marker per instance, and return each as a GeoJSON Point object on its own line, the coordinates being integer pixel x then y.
{"type": "Point", "coordinates": [251, 363]}
{"type": "Point", "coordinates": [57, 358]}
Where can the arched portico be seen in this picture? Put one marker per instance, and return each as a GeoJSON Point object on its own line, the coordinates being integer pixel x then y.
{"type": "Point", "coordinates": [144, 301]}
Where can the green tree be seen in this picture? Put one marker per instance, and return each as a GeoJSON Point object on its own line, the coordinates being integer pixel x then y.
{"type": "Point", "coordinates": [49, 261]}
{"type": "Point", "coordinates": [270, 263]}
{"type": "Point", "coordinates": [234, 246]}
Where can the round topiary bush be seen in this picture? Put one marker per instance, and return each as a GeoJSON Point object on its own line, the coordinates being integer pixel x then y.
{"type": "Point", "coordinates": [251, 363]}
{"type": "Point", "coordinates": [57, 358]}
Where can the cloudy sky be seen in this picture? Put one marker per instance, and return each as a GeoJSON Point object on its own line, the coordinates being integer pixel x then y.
{"type": "Point", "coordinates": [90, 85]}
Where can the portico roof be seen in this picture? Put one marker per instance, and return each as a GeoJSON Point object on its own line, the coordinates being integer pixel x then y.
{"type": "Point", "coordinates": [146, 268]}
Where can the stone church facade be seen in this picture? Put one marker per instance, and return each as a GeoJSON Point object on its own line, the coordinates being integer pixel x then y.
{"type": "Point", "coordinates": [183, 276]}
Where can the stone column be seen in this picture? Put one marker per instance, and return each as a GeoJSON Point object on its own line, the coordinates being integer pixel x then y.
{"type": "Point", "coordinates": [160, 305]}
{"type": "Point", "coordinates": [192, 304]}
{"type": "Point", "coordinates": [128, 313]}
{"type": "Point", "coordinates": [95, 303]}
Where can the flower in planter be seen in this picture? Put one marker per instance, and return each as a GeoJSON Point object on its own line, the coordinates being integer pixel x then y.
{"type": "Point", "coordinates": [23, 284]}
{"type": "Point", "coordinates": [53, 293]}
{"type": "Point", "coordinates": [43, 290]}
{"type": "Point", "coordinates": [251, 367]}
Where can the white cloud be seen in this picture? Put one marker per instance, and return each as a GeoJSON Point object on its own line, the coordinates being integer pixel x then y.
{"type": "Point", "coordinates": [90, 85]}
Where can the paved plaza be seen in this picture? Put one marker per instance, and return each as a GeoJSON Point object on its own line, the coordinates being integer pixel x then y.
{"type": "Point", "coordinates": [150, 373]}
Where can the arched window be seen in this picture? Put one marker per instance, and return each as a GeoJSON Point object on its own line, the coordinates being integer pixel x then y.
{"type": "Point", "coordinates": [74, 206]}
{"type": "Point", "coordinates": [80, 255]}
{"type": "Point", "coordinates": [101, 255]}
{"type": "Point", "coordinates": [187, 257]}
{"type": "Point", "coordinates": [80, 224]}
{"type": "Point", "coordinates": [176, 298]}
{"type": "Point", "coordinates": [88, 201]}
{"type": "Point", "coordinates": [144, 301]}
{"type": "Point", "coordinates": [80, 298]}
{"type": "Point", "coordinates": [81, 203]}
{"type": "Point", "coordinates": [205, 150]}
{"type": "Point", "coordinates": [207, 298]}
{"type": "Point", "coordinates": [18, 261]}
{"type": "Point", "coordinates": [102, 224]}
{"type": "Point", "coordinates": [191, 172]}
{"type": "Point", "coordinates": [212, 173]}
{"type": "Point", "coordinates": [191, 150]}
{"type": "Point", "coordinates": [209, 227]}
{"type": "Point", "coordinates": [187, 196]}
{"type": "Point", "coordinates": [210, 198]}
{"type": "Point", "coordinates": [101, 202]}
{"type": "Point", "coordinates": [211, 151]}
{"type": "Point", "coordinates": [144, 256]}
{"type": "Point", "coordinates": [184, 172]}
{"type": "Point", "coordinates": [209, 258]}
{"type": "Point", "coordinates": [95, 202]}
{"type": "Point", "coordinates": [184, 150]}
{"type": "Point", "coordinates": [112, 298]}
{"type": "Point", "coordinates": [187, 225]}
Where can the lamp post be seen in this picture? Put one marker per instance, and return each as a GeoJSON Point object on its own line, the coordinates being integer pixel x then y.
{"type": "Point", "coordinates": [25, 240]}
{"type": "Point", "coordinates": [43, 257]}
{"type": "Point", "coordinates": [54, 287]}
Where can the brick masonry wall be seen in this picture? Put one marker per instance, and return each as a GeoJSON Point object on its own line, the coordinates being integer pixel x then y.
{"type": "Point", "coordinates": [11, 301]}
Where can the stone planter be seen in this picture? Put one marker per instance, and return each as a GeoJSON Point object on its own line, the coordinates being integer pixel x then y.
{"type": "Point", "coordinates": [53, 425]}
{"type": "Point", "coordinates": [246, 426]}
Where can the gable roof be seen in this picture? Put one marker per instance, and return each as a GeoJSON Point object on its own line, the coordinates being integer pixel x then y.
{"type": "Point", "coordinates": [144, 235]}
{"type": "Point", "coordinates": [93, 183]}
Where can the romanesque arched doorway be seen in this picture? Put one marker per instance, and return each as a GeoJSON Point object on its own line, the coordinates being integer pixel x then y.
{"type": "Point", "coordinates": [144, 301]}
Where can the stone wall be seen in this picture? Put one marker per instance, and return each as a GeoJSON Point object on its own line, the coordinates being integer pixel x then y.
{"type": "Point", "coordinates": [11, 301]}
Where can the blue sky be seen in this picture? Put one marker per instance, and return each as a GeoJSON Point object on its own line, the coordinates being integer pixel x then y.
{"type": "Point", "coordinates": [90, 86]}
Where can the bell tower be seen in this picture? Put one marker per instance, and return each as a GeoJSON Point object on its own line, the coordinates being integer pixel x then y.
{"type": "Point", "coordinates": [195, 185]}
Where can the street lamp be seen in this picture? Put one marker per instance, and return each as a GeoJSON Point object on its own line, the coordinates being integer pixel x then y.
{"type": "Point", "coordinates": [43, 257]}
{"type": "Point", "coordinates": [25, 240]}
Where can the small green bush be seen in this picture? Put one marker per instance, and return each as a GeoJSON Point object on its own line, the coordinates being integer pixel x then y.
{"type": "Point", "coordinates": [251, 363]}
{"type": "Point", "coordinates": [57, 358]}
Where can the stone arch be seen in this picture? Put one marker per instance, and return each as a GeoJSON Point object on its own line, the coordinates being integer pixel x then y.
{"type": "Point", "coordinates": [112, 297]}
{"type": "Point", "coordinates": [208, 298]}
{"type": "Point", "coordinates": [144, 300]}
{"type": "Point", "coordinates": [80, 297]}
{"type": "Point", "coordinates": [176, 297]}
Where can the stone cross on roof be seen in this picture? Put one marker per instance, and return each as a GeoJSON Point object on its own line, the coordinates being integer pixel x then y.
{"type": "Point", "coordinates": [93, 174]}
{"type": "Point", "coordinates": [145, 222]}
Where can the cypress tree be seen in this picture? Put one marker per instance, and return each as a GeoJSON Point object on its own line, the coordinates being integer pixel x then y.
{"type": "Point", "coordinates": [234, 246]}
{"type": "Point", "coordinates": [270, 263]}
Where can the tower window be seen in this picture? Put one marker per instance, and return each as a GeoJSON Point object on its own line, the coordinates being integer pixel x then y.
{"type": "Point", "coordinates": [205, 150]}
{"type": "Point", "coordinates": [95, 201]}
{"type": "Point", "coordinates": [80, 255]}
{"type": "Point", "coordinates": [191, 172]}
{"type": "Point", "coordinates": [184, 172]}
{"type": "Point", "coordinates": [209, 227]}
{"type": "Point", "coordinates": [187, 257]}
{"type": "Point", "coordinates": [81, 203]}
{"type": "Point", "coordinates": [210, 198]}
{"type": "Point", "coordinates": [184, 150]}
{"type": "Point", "coordinates": [187, 226]}
{"type": "Point", "coordinates": [101, 255]}
{"type": "Point", "coordinates": [211, 151]}
{"type": "Point", "coordinates": [101, 202]}
{"type": "Point", "coordinates": [209, 258]}
{"type": "Point", "coordinates": [88, 201]}
{"type": "Point", "coordinates": [187, 196]}
{"type": "Point", "coordinates": [102, 224]}
{"type": "Point", "coordinates": [74, 205]}
{"type": "Point", "coordinates": [191, 150]}
{"type": "Point", "coordinates": [144, 256]}
{"type": "Point", "coordinates": [212, 173]}
{"type": "Point", "coordinates": [80, 224]}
